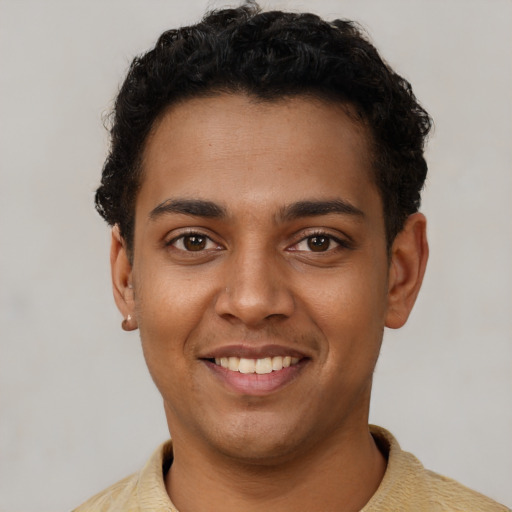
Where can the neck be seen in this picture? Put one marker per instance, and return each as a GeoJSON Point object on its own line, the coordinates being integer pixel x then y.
{"type": "Point", "coordinates": [341, 475]}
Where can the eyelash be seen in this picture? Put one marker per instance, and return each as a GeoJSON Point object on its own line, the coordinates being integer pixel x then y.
{"type": "Point", "coordinates": [340, 243]}
{"type": "Point", "coordinates": [190, 234]}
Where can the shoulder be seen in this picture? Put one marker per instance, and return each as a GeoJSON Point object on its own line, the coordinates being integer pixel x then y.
{"type": "Point", "coordinates": [408, 486]}
{"type": "Point", "coordinates": [142, 492]}
{"type": "Point", "coordinates": [450, 495]}
{"type": "Point", "coordinates": [116, 497]}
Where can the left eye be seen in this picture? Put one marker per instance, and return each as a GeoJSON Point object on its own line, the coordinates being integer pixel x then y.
{"type": "Point", "coordinates": [317, 243]}
{"type": "Point", "coordinates": [193, 242]}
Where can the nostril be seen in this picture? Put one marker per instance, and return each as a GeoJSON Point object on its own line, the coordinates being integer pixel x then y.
{"type": "Point", "coordinates": [253, 293]}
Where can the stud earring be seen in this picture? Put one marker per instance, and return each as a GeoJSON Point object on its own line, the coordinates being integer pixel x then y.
{"type": "Point", "coordinates": [127, 324]}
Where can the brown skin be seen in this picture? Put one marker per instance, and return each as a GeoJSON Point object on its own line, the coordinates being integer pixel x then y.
{"type": "Point", "coordinates": [254, 281]}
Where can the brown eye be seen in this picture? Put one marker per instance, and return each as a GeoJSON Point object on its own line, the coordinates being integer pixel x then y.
{"type": "Point", "coordinates": [318, 243]}
{"type": "Point", "coordinates": [194, 242]}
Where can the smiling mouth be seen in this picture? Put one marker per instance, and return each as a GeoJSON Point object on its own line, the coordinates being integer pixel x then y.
{"type": "Point", "coordinates": [258, 366]}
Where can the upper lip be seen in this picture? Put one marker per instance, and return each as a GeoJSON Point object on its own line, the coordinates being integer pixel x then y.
{"type": "Point", "coordinates": [252, 352]}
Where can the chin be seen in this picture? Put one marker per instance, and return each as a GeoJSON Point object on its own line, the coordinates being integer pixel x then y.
{"type": "Point", "coordinates": [257, 442]}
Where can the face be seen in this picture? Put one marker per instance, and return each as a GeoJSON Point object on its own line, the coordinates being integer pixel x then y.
{"type": "Point", "coordinates": [260, 279]}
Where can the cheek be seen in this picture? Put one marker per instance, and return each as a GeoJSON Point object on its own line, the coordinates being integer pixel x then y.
{"type": "Point", "coordinates": [166, 309]}
{"type": "Point", "coordinates": [167, 317]}
{"type": "Point", "coordinates": [347, 297]}
{"type": "Point", "coordinates": [349, 308]}
{"type": "Point", "coordinates": [172, 305]}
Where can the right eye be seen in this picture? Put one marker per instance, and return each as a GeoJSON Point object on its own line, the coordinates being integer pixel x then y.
{"type": "Point", "coordinates": [193, 242]}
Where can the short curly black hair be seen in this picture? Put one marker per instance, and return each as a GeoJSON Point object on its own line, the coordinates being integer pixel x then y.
{"type": "Point", "coordinates": [269, 55]}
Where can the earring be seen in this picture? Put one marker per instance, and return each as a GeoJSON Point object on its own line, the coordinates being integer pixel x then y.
{"type": "Point", "coordinates": [127, 324]}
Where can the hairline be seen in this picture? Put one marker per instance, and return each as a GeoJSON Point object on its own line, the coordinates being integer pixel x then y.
{"type": "Point", "coordinates": [313, 94]}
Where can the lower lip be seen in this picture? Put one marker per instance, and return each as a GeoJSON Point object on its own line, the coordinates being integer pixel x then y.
{"type": "Point", "coordinates": [255, 384]}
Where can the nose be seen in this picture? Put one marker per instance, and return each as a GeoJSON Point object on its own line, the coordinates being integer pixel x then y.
{"type": "Point", "coordinates": [256, 289]}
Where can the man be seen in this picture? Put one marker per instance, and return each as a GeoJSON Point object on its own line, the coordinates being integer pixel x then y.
{"type": "Point", "coordinates": [263, 186]}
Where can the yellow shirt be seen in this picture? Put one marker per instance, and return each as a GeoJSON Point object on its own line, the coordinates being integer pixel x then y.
{"type": "Point", "coordinates": [406, 486]}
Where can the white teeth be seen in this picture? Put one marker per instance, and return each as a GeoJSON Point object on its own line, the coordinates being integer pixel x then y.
{"type": "Point", "coordinates": [247, 365]}
{"type": "Point", "coordinates": [277, 363]}
{"type": "Point", "coordinates": [264, 365]}
{"type": "Point", "coordinates": [259, 366]}
{"type": "Point", "coordinates": [233, 363]}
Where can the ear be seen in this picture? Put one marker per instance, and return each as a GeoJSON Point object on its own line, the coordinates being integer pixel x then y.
{"type": "Point", "coordinates": [409, 255]}
{"type": "Point", "coordinates": [121, 270]}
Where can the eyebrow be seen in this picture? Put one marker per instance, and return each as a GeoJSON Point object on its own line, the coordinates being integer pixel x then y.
{"type": "Point", "coordinates": [322, 207]}
{"type": "Point", "coordinates": [211, 210]}
{"type": "Point", "coordinates": [194, 207]}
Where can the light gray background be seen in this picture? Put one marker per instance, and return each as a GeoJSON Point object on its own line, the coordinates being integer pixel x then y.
{"type": "Point", "coordinates": [78, 410]}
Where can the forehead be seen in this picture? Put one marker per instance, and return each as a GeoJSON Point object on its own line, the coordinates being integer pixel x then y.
{"type": "Point", "coordinates": [236, 150]}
